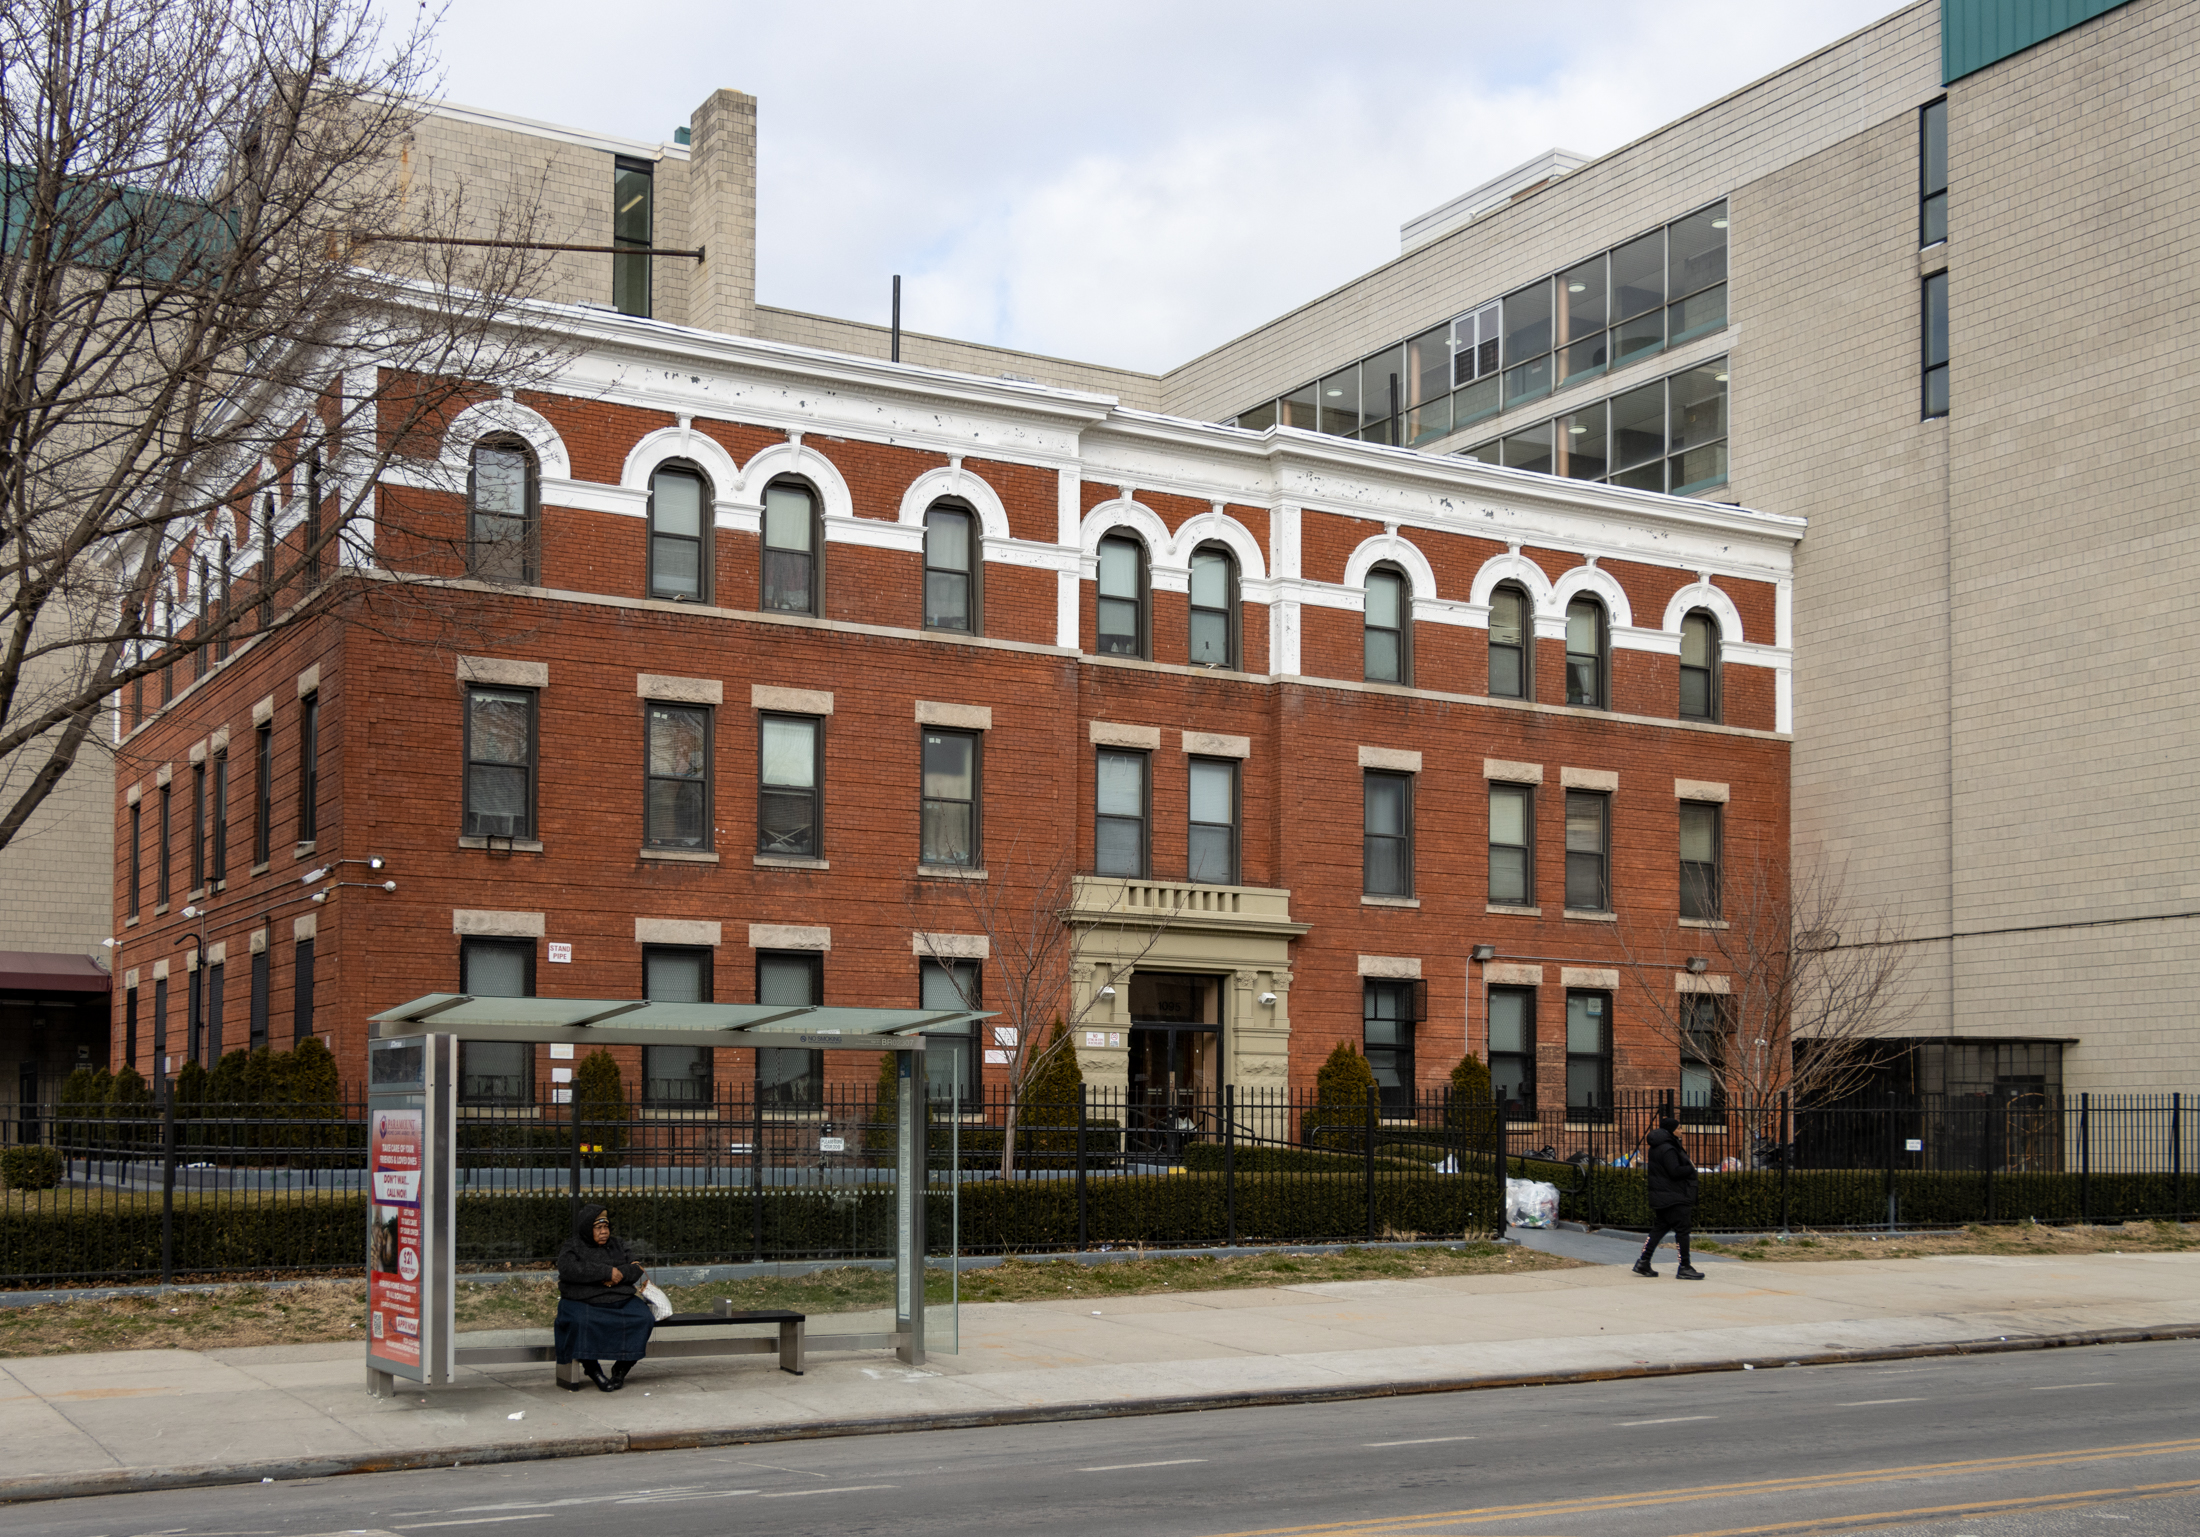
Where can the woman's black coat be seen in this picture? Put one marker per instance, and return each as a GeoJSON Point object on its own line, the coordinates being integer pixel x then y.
{"type": "Point", "coordinates": [585, 1266]}
{"type": "Point", "coordinates": [1672, 1176]}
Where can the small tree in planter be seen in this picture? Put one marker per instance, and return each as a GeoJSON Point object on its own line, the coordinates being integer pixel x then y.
{"type": "Point", "coordinates": [599, 1102]}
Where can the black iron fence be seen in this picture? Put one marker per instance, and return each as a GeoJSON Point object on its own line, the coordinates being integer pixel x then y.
{"type": "Point", "coordinates": [150, 1193]}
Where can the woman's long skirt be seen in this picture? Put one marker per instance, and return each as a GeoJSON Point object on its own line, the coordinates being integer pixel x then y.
{"type": "Point", "coordinates": [603, 1331]}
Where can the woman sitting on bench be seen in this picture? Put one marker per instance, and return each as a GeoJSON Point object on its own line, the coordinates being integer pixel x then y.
{"type": "Point", "coordinates": [600, 1310]}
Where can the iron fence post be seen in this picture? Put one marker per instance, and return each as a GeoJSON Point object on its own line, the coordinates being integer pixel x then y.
{"type": "Point", "coordinates": [1229, 1164]}
{"type": "Point", "coordinates": [1986, 1154]}
{"type": "Point", "coordinates": [756, 1173]}
{"type": "Point", "coordinates": [1891, 1131]}
{"type": "Point", "coordinates": [1084, 1210]}
{"type": "Point", "coordinates": [1787, 1157]}
{"type": "Point", "coordinates": [1367, 1154]}
{"type": "Point", "coordinates": [574, 1180]}
{"type": "Point", "coordinates": [2176, 1157]}
{"type": "Point", "coordinates": [2085, 1158]}
{"type": "Point", "coordinates": [1498, 1130]}
{"type": "Point", "coordinates": [167, 1184]}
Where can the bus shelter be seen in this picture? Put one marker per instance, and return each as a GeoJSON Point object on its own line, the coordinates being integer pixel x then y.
{"type": "Point", "coordinates": [412, 1081]}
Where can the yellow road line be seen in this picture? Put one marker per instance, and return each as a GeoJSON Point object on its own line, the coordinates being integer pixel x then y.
{"type": "Point", "coordinates": [1798, 1484]}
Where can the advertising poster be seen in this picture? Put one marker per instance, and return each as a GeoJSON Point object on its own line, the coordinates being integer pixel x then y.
{"type": "Point", "coordinates": [394, 1242]}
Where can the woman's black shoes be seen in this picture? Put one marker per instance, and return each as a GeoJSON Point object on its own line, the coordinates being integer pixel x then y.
{"type": "Point", "coordinates": [1642, 1267]}
{"type": "Point", "coordinates": [619, 1369]}
{"type": "Point", "coordinates": [595, 1375]}
{"type": "Point", "coordinates": [1688, 1273]}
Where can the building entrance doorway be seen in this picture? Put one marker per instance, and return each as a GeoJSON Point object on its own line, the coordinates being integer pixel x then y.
{"type": "Point", "coordinates": [1175, 1061]}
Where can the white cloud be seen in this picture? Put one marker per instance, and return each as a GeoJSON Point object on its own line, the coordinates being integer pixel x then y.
{"type": "Point", "coordinates": [1131, 186]}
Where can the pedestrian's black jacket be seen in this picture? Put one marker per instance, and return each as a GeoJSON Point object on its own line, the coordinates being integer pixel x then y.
{"type": "Point", "coordinates": [585, 1266]}
{"type": "Point", "coordinates": [1672, 1176]}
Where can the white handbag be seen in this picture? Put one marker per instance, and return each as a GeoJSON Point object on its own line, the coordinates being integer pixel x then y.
{"type": "Point", "coordinates": [659, 1303]}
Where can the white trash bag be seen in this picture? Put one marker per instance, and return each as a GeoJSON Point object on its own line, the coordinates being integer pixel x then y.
{"type": "Point", "coordinates": [1530, 1203]}
{"type": "Point", "coordinates": [659, 1303]}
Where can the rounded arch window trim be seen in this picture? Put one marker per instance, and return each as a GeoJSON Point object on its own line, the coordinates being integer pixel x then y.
{"type": "Point", "coordinates": [1231, 611]}
{"type": "Point", "coordinates": [1708, 685]}
{"type": "Point", "coordinates": [488, 419]}
{"type": "Point", "coordinates": [1524, 647]}
{"type": "Point", "coordinates": [814, 554]}
{"type": "Point", "coordinates": [1597, 694]}
{"type": "Point", "coordinates": [1141, 598]}
{"type": "Point", "coordinates": [972, 569]}
{"type": "Point", "coordinates": [1371, 646]}
{"type": "Point", "coordinates": [522, 564]}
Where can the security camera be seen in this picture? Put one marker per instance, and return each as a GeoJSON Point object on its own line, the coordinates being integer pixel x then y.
{"type": "Point", "coordinates": [1268, 1000]}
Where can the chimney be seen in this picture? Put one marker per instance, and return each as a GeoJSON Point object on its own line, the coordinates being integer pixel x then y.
{"type": "Point", "coordinates": [722, 213]}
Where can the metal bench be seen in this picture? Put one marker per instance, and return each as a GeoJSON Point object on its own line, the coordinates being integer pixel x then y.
{"type": "Point", "coordinates": [790, 1344]}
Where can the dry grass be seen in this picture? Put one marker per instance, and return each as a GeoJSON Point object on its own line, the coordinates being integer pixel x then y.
{"type": "Point", "coordinates": [322, 1311]}
{"type": "Point", "coordinates": [2025, 1238]}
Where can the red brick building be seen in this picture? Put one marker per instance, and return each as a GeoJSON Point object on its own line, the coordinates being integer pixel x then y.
{"type": "Point", "coordinates": [768, 655]}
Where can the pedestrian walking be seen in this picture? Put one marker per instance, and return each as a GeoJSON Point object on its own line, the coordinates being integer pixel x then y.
{"type": "Point", "coordinates": [1672, 1197]}
{"type": "Point", "coordinates": [600, 1311]}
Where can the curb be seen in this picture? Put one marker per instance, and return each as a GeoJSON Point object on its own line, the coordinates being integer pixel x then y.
{"type": "Point", "coordinates": [72, 1486]}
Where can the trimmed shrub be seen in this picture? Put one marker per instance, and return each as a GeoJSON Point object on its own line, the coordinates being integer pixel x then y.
{"type": "Point", "coordinates": [31, 1167]}
{"type": "Point", "coordinates": [1343, 1089]}
{"type": "Point", "coordinates": [599, 1102]}
{"type": "Point", "coordinates": [225, 1086]}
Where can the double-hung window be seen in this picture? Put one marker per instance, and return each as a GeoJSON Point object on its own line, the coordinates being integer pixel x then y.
{"type": "Point", "coordinates": [1511, 644]}
{"type": "Point", "coordinates": [1699, 667]}
{"type": "Point", "coordinates": [1512, 1048]}
{"type": "Point", "coordinates": [198, 826]}
{"type": "Point", "coordinates": [951, 1062]}
{"type": "Point", "coordinates": [678, 505]}
{"type": "Point", "coordinates": [160, 874]}
{"type": "Point", "coordinates": [633, 229]}
{"type": "Point", "coordinates": [1512, 845]}
{"type": "Point", "coordinates": [1934, 293]}
{"type": "Point", "coordinates": [677, 804]}
{"type": "Point", "coordinates": [1699, 860]}
{"type": "Point", "coordinates": [948, 818]}
{"type": "Point", "coordinates": [137, 821]}
{"type": "Point", "coordinates": [309, 766]}
{"type": "Point", "coordinates": [1932, 173]}
{"type": "Point", "coordinates": [790, 785]}
{"type": "Point", "coordinates": [950, 581]}
{"type": "Point", "coordinates": [1386, 859]}
{"type": "Point", "coordinates": [217, 859]}
{"type": "Point", "coordinates": [1120, 801]}
{"type": "Point", "coordinates": [1586, 654]}
{"type": "Point", "coordinates": [500, 763]}
{"type": "Point", "coordinates": [1121, 614]}
{"type": "Point", "coordinates": [1212, 840]}
{"type": "Point", "coordinates": [1214, 608]}
{"type": "Point", "coordinates": [790, 1079]}
{"type": "Point", "coordinates": [496, 1072]}
{"type": "Point", "coordinates": [503, 514]}
{"type": "Point", "coordinates": [263, 793]}
{"type": "Point", "coordinates": [1389, 1010]}
{"type": "Point", "coordinates": [790, 549]}
{"type": "Point", "coordinates": [1588, 846]}
{"type": "Point", "coordinates": [1387, 643]}
{"type": "Point", "coordinates": [676, 1076]}
{"type": "Point", "coordinates": [1703, 1057]}
{"type": "Point", "coordinates": [1588, 1056]}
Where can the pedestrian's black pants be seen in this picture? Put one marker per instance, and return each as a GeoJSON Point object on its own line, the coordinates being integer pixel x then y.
{"type": "Point", "coordinates": [1676, 1220]}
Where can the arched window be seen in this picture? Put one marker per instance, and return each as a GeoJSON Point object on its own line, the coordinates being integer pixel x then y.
{"type": "Point", "coordinates": [504, 513]}
{"type": "Point", "coordinates": [1388, 638]}
{"type": "Point", "coordinates": [1586, 653]}
{"type": "Point", "coordinates": [679, 499]}
{"type": "Point", "coordinates": [790, 548]}
{"type": "Point", "coordinates": [1512, 644]}
{"type": "Point", "coordinates": [1122, 625]}
{"type": "Point", "coordinates": [950, 572]}
{"type": "Point", "coordinates": [1699, 667]}
{"type": "Point", "coordinates": [1214, 626]}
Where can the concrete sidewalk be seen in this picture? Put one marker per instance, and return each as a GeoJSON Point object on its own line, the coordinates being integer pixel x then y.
{"type": "Point", "coordinates": [82, 1424]}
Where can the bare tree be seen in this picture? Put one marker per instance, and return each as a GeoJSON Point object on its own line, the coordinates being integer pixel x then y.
{"type": "Point", "coordinates": [225, 308]}
{"type": "Point", "coordinates": [1041, 925]}
{"type": "Point", "coordinates": [1801, 990]}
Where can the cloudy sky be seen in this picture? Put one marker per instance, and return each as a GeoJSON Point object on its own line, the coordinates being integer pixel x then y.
{"type": "Point", "coordinates": [1131, 183]}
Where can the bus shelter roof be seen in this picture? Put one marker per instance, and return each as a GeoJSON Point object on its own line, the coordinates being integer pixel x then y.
{"type": "Point", "coordinates": [639, 1022]}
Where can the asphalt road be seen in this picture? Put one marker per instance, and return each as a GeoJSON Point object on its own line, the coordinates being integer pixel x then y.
{"type": "Point", "coordinates": [2103, 1442]}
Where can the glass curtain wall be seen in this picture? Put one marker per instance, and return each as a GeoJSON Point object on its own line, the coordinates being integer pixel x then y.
{"type": "Point", "coordinates": [1669, 435]}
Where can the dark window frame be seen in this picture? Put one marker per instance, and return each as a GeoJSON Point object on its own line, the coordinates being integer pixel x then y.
{"type": "Point", "coordinates": [1403, 838]}
{"type": "Point", "coordinates": [1932, 184]}
{"type": "Point", "coordinates": [309, 767]}
{"type": "Point", "coordinates": [1141, 601]}
{"type": "Point", "coordinates": [816, 791]}
{"type": "Point", "coordinates": [1933, 350]}
{"type": "Point", "coordinates": [160, 1030]}
{"type": "Point", "coordinates": [1524, 1105]}
{"type": "Point", "coordinates": [1233, 873]}
{"type": "Point", "coordinates": [137, 858]}
{"type": "Point", "coordinates": [508, 945]}
{"type": "Point", "coordinates": [216, 990]}
{"type": "Point", "coordinates": [705, 501]}
{"type": "Point", "coordinates": [1704, 1046]}
{"type": "Point", "coordinates": [1700, 880]}
{"type": "Point", "coordinates": [1144, 819]}
{"type": "Point", "coordinates": [262, 970]}
{"type": "Point", "coordinates": [129, 1026]}
{"type": "Point", "coordinates": [1602, 854]}
{"type": "Point", "coordinates": [161, 877]}
{"type": "Point", "coordinates": [1526, 846]}
{"type": "Point", "coordinates": [301, 990]}
{"type": "Point", "coordinates": [1403, 632]}
{"type": "Point", "coordinates": [1709, 672]}
{"type": "Point", "coordinates": [1599, 1110]}
{"type": "Point", "coordinates": [217, 864]}
{"type": "Point", "coordinates": [706, 959]}
{"type": "Point", "coordinates": [972, 571]}
{"type": "Point", "coordinates": [529, 517]}
{"type": "Point", "coordinates": [1601, 694]}
{"type": "Point", "coordinates": [1231, 610]}
{"type": "Point", "coordinates": [970, 1090]}
{"type": "Point", "coordinates": [811, 1103]}
{"type": "Point", "coordinates": [1524, 651]}
{"type": "Point", "coordinates": [1407, 998]}
{"type": "Point", "coordinates": [532, 767]}
{"type": "Point", "coordinates": [631, 264]}
{"type": "Point", "coordinates": [198, 827]}
{"type": "Point", "coordinates": [813, 602]}
{"type": "Point", "coordinates": [926, 856]}
{"type": "Point", "coordinates": [263, 792]}
{"type": "Point", "coordinates": [652, 836]}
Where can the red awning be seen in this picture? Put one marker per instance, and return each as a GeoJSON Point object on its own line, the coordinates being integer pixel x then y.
{"type": "Point", "coordinates": [41, 971]}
